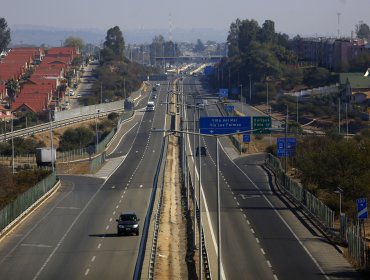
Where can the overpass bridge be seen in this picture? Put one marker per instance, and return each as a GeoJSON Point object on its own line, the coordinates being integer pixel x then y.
{"type": "Point", "coordinates": [188, 59]}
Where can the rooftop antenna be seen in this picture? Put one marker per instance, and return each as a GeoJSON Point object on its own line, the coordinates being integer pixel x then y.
{"type": "Point", "coordinates": [338, 15]}
{"type": "Point", "coordinates": [170, 24]}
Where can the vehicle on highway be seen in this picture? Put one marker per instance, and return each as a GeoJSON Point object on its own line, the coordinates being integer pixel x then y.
{"type": "Point", "coordinates": [154, 96]}
{"type": "Point", "coordinates": [78, 95]}
{"type": "Point", "coordinates": [154, 89]}
{"type": "Point", "coordinates": [150, 106]}
{"type": "Point", "coordinates": [202, 152]}
{"type": "Point", "coordinates": [157, 84]}
{"type": "Point", "coordinates": [71, 92]}
{"type": "Point", "coordinates": [128, 223]}
{"type": "Point", "coordinates": [201, 106]}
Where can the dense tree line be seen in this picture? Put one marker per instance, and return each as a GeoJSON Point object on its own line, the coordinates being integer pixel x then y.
{"type": "Point", "coordinates": [4, 34]}
{"type": "Point", "coordinates": [117, 76]}
{"type": "Point", "coordinates": [326, 163]}
{"type": "Point", "coordinates": [162, 48]}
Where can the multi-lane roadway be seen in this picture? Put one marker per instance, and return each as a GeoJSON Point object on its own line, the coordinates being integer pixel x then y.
{"type": "Point", "coordinates": [73, 234]}
{"type": "Point", "coordinates": [263, 236]}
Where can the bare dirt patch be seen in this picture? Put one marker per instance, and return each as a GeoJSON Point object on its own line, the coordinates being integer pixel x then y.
{"type": "Point", "coordinates": [171, 254]}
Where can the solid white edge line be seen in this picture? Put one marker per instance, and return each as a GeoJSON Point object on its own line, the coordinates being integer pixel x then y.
{"type": "Point", "coordinates": [281, 218]}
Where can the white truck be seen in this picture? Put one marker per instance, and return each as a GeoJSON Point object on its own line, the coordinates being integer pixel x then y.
{"type": "Point", "coordinates": [45, 156]}
{"type": "Point", "coordinates": [150, 106]}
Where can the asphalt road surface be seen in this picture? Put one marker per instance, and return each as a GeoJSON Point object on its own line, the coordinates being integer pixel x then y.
{"type": "Point", "coordinates": [73, 234]}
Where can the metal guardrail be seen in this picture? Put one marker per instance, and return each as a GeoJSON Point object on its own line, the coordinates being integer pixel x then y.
{"type": "Point", "coordinates": [24, 201]}
{"type": "Point", "coordinates": [153, 253]}
{"type": "Point", "coordinates": [141, 255]}
{"type": "Point", "coordinates": [65, 118]}
{"type": "Point", "coordinates": [314, 206]}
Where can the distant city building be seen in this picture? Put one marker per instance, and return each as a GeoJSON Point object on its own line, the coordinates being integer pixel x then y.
{"type": "Point", "coordinates": [331, 53]}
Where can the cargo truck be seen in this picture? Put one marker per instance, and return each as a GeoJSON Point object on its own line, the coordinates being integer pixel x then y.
{"type": "Point", "coordinates": [45, 156]}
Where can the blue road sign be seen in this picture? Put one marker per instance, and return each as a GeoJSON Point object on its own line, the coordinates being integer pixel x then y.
{"type": "Point", "coordinates": [223, 93]}
{"type": "Point", "coordinates": [290, 148]}
{"type": "Point", "coordinates": [362, 208]}
{"type": "Point", "coordinates": [224, 125]}
{"type": "Point", "coordinates": [246, 138]}
{"type": "Point", "coordinates": [229, 108]}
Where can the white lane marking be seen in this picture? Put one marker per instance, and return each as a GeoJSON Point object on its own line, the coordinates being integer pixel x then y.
{"type": "Point", "coordinates": [36, 245]}
{"type": "Point", "coordinates": [248, 222]}
{"type": "Point", "coordinates": [65, 207]}
{"type": "Point", "coordinates": [36, 225]}
{"type": "Point", "coordinates": [207, 211]}
{"type": "Point", "coordinates": [140, 186]}
{"type": "Point", "coordinates": [120, 201]}
{"type": "Point", "coordinates": [281, 218]}
{"type": "Point", "coordinates": [276, 278]}
{"type": "Point", "coordinates": [117, 206]}
{"type": "Point", "coordinates": [263, 251]}
{"type": "Point", "coordinates": [107, 227]}
{"type": "Point", "coordinates": [245, 216]}
{"type": "Point", "coordinates": [269, 264]}
{"type": "Point", "coordinates": [258, 241]}
{"type": "Point", "coordinates": [122, 138]}
{"type": "Point", "coordinates": [252, 230]}
{"type": "Point", "coordinates": [244, 196]}
{"type": "Point", "coordinates": [114, 213]}
{"type": "Point", "coordinates": [87, 271]}
{"type": "Point", "coordinates": [99, 245]}
{"type": "Point", "coordinates": [110, 219]}
{"type": "Point", "coordinates": [93, 259]}
{"type": "Point", "coordinates": [113, 187]}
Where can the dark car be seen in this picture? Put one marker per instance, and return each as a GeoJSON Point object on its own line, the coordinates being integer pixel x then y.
{"type": "Point", "coordinates": [128, 223]}
{"type": "Point", "coordinates": [203, 152]}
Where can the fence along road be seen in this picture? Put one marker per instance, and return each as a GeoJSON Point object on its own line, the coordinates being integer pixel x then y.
{"type": "Point", "coordinates": [65, 118]}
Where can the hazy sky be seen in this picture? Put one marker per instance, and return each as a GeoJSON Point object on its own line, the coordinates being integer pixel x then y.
{"type": "Point", "coordinates": [304, 17]}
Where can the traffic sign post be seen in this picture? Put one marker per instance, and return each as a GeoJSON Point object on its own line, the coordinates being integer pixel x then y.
{"type": "Point", "coordinates": [362, 208]}
{"type": "Point", "coordinates": [229, 108]}
{"type": "Point", "coordinates": [224, 125]}
{"type": "Point", "coordinates": [287, 151]}
{"type": "Point", "coordinates": [263, 123]}
{"type": "Point", "coordinates": [246, 138]}
{"type": "Point", "coordinates": [223, 93]}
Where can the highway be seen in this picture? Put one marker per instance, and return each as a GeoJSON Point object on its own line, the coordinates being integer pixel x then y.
{"type": "Point", "coordinates": [73, 234]}
{"type": "Point", "coordinates": [262, 235]}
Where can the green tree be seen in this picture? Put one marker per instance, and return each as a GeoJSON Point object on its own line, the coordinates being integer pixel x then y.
{"type": "Point", "coordinates": [233, 38]}
{"type": "Point", "coordinates": [74, 41]}
{"type": "Point", "coordinates": [12, 87]}
{"type": "Point", "coordinates": [4, 34]}
{"type": "Point", "coordinates": [75, 138]}
{"type": "Point", "coordinates": [199, 46]}
{"type": "Point", "coordinates": [362, 31]}
{"type": "Point", "coordinates": [114, 42]}
{"type": "Point", "coordinates": [267, 32]}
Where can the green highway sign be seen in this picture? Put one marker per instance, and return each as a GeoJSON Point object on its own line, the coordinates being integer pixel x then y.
{"type": "Point", "coordinates": [263, 123]}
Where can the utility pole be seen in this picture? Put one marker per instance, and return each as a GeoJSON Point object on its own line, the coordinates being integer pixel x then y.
{"type": "Point", "coordinates": [339, 115]}
{"type": "Point", "coordinates": [101, 93]}
{"type": "Point", "coordinates": [250, 89]}
{"type": "Point", "coordinates": [241, 96]}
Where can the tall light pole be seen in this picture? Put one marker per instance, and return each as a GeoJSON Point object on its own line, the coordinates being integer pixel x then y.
{"type": "Point", "coordinates": [297, 109]}
{"type": "Point", "coordinates": [218, 212]}
{"type": "Point", "coordinates": [200, 202]}
{"type": "Point", "coordinates": [51, 142]}
{"type": "Point", "coordinates": [12, 146]}
{"type": "Point", "coordinates": [267, 97]}
{"type": "Point", "coordinates": [250, 88]}
{"type": "Point", "coordinates": [241, 96]}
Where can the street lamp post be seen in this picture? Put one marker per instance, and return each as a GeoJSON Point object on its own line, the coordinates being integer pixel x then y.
{"type": "Point", "coordinates": [241, 96]}
{"type": "Point", "coordinates": [250, 89]}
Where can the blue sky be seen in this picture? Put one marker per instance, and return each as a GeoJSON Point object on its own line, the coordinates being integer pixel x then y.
{"type": "Point", "coordinates": [304, 17]}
